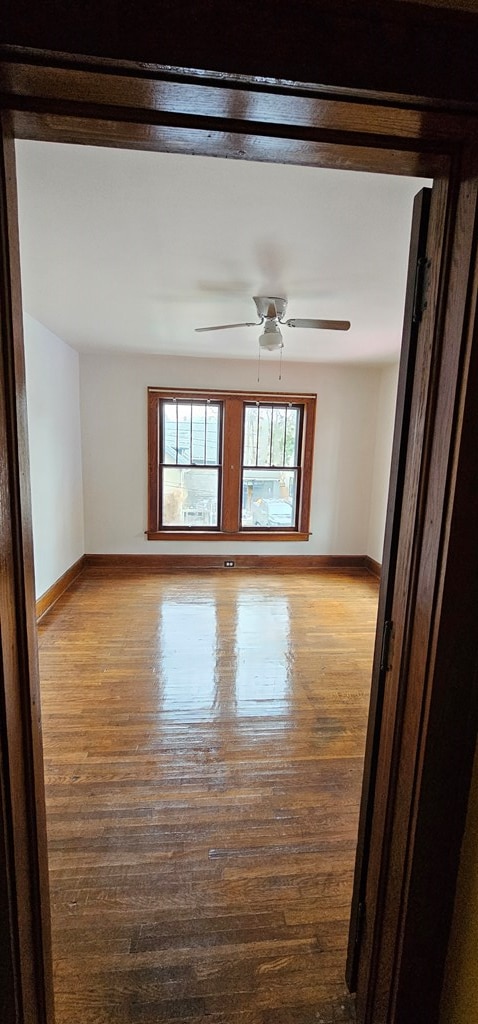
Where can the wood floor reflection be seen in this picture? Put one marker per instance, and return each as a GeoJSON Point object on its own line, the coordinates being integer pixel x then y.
{"type": "Point", "coordinates": [204, 736]}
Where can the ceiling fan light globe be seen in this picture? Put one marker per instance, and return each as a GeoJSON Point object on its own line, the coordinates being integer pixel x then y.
{"type": "Point", "coordinates": [271, 338]}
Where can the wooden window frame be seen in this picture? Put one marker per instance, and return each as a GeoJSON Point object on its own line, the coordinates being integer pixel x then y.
{"type": "Point", "coordinates": [233, 404]}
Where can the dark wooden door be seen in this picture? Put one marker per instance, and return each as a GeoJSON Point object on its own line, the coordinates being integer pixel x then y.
{"type": "Point", "coordinates": [415, 300]}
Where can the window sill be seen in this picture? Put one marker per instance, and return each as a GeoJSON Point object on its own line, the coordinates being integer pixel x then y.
{"type": "Point", "coordinates": [249, 535]}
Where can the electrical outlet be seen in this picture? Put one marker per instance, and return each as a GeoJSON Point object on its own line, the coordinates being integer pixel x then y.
{"type": "Point", "coordinates": [229, 565]}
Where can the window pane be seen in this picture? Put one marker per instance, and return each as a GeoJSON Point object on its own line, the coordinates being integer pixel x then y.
{"type": "Point", "coordinates": [212, 433]}
{"type": "Point", "coordinates": [169, 432]}
{"type": "Point", "coordinates": [184, 432]}
{"type": "Point", "coordinates": [279, 414]}
{"type": "Point", "coordinates": [269, 498]}
{"type": "Point", "coordinates": [265, 436]}
{"type": "Point", "coordinates": [251, 420]}
{"type": "Point", "coordinates": [190, 496]}
{"type": "Point", "coordinates": [292, 437]}
{"type": "Point", "coordinates": [198, 433]}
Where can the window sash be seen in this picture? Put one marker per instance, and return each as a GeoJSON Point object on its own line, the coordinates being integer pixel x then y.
{"type": "Point", "coordinates": [273, 444]}
{"type": "Point", "coordinates": [268, 504]}
{"type": "Point", "coordinates": [182, 463]}
{"type": "Point", "coordinates": [253, 444]}
{"type": "Point", "coordinates": [207, 511]}
{"type": "Point", "coordinates": [178, 434]}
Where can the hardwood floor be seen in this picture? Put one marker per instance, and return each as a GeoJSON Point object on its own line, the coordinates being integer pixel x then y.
{"type": "Point", "coordinates": [204, 737]}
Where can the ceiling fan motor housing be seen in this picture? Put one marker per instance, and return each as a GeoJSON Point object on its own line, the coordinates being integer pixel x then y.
{"type": "Point", "coordinates": [270, 306]}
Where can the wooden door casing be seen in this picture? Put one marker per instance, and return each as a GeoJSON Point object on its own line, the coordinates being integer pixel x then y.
{"type": "Point", "coordinates": [419, 823]}
{"type": "Point", "coordinates": [47, 102]}
{"type": "Point", "coordinates": [21, 759]}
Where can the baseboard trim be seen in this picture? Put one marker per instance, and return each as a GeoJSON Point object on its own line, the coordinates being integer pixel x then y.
{"type": "Point", "coordinates": [373, 567]}
{"type": "Point", "coordinates": [50, 597]}
{"type": "Point", "coordinates": [188, 563]}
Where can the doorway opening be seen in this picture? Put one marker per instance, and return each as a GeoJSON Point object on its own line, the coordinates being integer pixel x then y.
{"type": "Point", "coordinates": [370, 386]}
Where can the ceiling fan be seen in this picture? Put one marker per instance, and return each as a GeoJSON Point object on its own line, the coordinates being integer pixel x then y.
{"type": "Point", "coordinates": [271, 311]}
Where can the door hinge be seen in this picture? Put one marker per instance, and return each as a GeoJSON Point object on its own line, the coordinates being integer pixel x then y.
{"type": "Point", "coordinates": [385, 655]}
{"type": "Point", "coordinates": [422, 284]}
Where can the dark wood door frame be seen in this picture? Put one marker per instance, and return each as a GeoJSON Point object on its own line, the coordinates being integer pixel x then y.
{"type": "Point", "coordinates": [430, 725]}
{"type": "Point", "coordinates": [21, 764]}
{"type": "Point", "coordinates": [414, 349]}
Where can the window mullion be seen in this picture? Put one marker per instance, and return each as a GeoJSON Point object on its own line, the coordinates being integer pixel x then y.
{"type": "Point", "coordinates": [232, 464]}
{"type": "Point", "coordinates": [257, 434]}
{"type": "Point", "coordinates": [285, 435]}
{"type": "Point", "coordinates": [205, 435]}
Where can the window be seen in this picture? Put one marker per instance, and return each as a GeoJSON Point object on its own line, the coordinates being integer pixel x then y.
{"type": "Point", "coordinates": [189, 460]}
{"type": "Point", "coordinates": [270, 464]}
{"type": "Point", "coordinates": [226, 464]}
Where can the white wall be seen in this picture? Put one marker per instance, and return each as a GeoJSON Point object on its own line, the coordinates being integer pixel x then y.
{"type": "Point", "coordinates": [113, 417]}
{"type": "Point", "coordinates": [381, 466]}
{"type": "Point", "coordinates": [52, 378]}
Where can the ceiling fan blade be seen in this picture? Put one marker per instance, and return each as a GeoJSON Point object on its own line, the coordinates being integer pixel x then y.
{"type": "Point", "coordinates": [225, 327]}
{"type": "Point", "coordinates": [323, 325]}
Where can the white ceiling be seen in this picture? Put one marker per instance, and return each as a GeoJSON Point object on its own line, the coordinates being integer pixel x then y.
{"type": "Point", "coordinates": [130, 251]}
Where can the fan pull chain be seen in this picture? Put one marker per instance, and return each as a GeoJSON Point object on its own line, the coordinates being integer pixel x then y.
{"type": "Point", "coordinates": [280, 364]}
{"type": "Point", "coordinates": [259, 365]}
